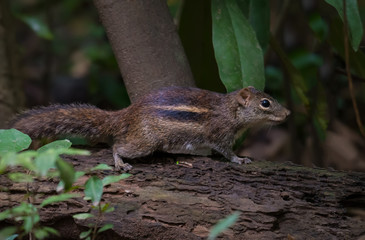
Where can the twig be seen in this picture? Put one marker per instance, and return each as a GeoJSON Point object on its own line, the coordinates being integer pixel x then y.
{"type": "Point", "coordinates": [349, 77]}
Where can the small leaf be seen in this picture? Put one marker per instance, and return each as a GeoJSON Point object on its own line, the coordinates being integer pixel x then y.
{"type": "Point", "coordinates": [105, 208]}
{"type": "Point", "coordinates": [5, 214]}
{"type": "Point", "coordinates": [85, 234]}
{"type": "Point", "coordinates": [101, 166]}
{"type": "Point", "coordinates": [73, 151]}
{"type": "Point", "coordinates": [105, 227]}
{"type": "Point", "coordinates": [237, 51]}
{"type": "Point", "coordinates": [12, 140]}
{"type": "Point", "coordinates": [58, 198]}
{"type": "Point", "coordinates": [112, 179]}
{"type": "Point", "coordinates": [94, 189]}
{"type": "Point", "coordinates": [8, 233]}
{"type": "Point", "coordinates": [83, 216]}
{"type": "Point", "coordinates": [59, 144]}
{"type": "Point", "coordinates": [79, 174]}
{"type": "Point", "coordinates": [353, 19]}
{"type": "Point", "coordinates": [45, 161]}
{"type": "Point", "coordinates": [12, 237]}
{"type": "Point", "coordinates": [38, 26]}
{"type": "Point", "coordinates": [110, 209]}
{"type": "Point", "coordinates": [67, 173]}
{"type": "Point", "coordinates": [8, 159]}
{"type": "Point", "coordinates": [51, 231]}
{"type": "Point", "coordinates": [40, 233]}
{"type": "Point", "coordinates": [223, 224]}
{"type": "Point", "coordinates": [29, 222]}
{"type": "Point", "coordinates": [20, 177]}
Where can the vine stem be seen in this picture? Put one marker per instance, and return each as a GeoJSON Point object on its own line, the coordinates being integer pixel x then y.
{"type": "Point", "coordinates": [348, 71]}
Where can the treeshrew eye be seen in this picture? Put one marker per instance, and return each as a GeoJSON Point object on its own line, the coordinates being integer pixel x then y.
{"type": "Point", "coordinates": [265, 103]}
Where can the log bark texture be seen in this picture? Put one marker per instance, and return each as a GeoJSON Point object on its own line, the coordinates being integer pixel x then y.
{"type": "Point", "coordinates": [146, 45]}
{"type": "Point", "coordinates": [165, 200]}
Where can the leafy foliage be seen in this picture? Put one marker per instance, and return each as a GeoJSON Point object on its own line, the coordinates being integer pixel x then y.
{"type": "Point", "coordinates": [238, 53]}
{"type": "Point", "coordinates": [13, 141]}
{"type": "Point", "coordinates": [354, 21]}
{"type": "Point", "coordinates": [46, 162]}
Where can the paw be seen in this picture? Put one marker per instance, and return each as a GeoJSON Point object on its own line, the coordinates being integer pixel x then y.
{"type": "Point", "coordinates": [244, 160]}
{"type": "Point", "coordinates": [125, 167]}
{"type": "Point", "coordinates": [120, 165]}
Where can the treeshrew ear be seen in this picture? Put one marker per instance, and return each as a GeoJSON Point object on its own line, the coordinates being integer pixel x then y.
{"type": "Point", "coordinates": [243, 96]}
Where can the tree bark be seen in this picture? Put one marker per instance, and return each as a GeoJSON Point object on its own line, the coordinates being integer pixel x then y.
{"type": "Point", "coordinates": [146, 45]}
{"type": "Point", "coordinates": [11, 94]}
{"type": "Point", "coordinates": [165, 200]}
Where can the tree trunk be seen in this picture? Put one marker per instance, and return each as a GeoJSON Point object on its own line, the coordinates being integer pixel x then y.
{"type": "Point", "coordinates": [165, 200]}
{"type": "Point", "coordinates": [11, 93]}
{"type": "Point", "coordinates": [146, 45]}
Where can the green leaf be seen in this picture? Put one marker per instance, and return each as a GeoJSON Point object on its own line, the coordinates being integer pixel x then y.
{"type": "Point", "coordinates": [38, 26]}
{"type": "Point", "coordinates": [223, 224]}
{"type": "Point", "coordinates": [73, 151]}
{"type": "Point", "coordinates": [237, 51]}
{"type": "Point", "coordinates": [260, 20]}
{"type": "Point", "coordinates": [85, 234]}
{"type": "Point", "coordinates": [20, 177]}
{"type": "Point", "coordinates": [12, 237]}
{"type": "Point", "coordinates": [58, 198]}
{"type": "Point", "coordinates": [25, 159]}
{"type": "Point", "coordinates": [112, 179]}
{"type": "Point", "coordinates": [105, 227]}
{"type": "Point", "coordinates": [30, 222]}
{"type": "Point", "coordinates": [67, 173]}
{"type": "Point", "coordinates": [5, 214]}
{"type": "Point", "coordinates": [8, 233]}
{"type": "Point", "coordinates": [82, 216]}
{"type": "Point", "coordinates": [59, 144]}
{"type": "Point", "coordinates": [8, 159]}
{"type": "Point", "coordinates": [12, 140]}
{"type": "Point", "coordinates": [353, 19]}
{"type": "Point", "coordinates": [51, 231]}
{"type": "Point", "coordinates": [101, 166]}
{"type": "Point", "coordinates": [79, 174]}
{"type": "Point", "coordinates": [40, 233]}
{"type": "Point", "coordinates": [45, 161]}
{"type": "Point", "coordinates": [109, 209]}
{"type": "Point", "coordinates": [94, 189]}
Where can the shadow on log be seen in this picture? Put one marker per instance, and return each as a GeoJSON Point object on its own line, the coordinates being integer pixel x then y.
{"type": "Point", "coordinates": [165, 200]}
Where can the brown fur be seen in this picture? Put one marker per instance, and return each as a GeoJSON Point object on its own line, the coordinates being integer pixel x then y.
{"type": "Point", "coordinates": [175, 119]}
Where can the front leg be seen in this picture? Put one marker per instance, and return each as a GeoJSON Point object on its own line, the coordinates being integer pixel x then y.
{"type": "Point", "coordinates": [230, 155]}
{"type": "Point", "coordinates": [130, 150]}
{"type": "Point", "coordinates": [119, 164]}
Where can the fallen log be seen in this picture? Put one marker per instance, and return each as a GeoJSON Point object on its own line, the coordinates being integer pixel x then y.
{"type": "Point", "coordinates": [165, 200]}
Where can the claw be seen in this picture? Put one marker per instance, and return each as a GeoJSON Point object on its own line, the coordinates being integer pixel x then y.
{"type": "Point", "coordinates": [244, 160]}
{"type": "Point", "coordinates": [120, 165]}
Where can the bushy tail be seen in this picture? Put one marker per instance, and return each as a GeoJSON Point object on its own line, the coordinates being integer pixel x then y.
{"type": "Point", "coordinates": [75, 119]}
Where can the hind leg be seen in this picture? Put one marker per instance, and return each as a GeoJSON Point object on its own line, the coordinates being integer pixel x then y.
{"type": "Point", "coordinates": [129, 151]}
